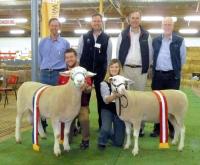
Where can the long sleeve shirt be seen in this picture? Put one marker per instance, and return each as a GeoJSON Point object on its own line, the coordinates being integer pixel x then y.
{"type": "Point", "coordinates": [51, 53]}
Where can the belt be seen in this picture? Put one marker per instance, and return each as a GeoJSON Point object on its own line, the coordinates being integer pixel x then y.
{"type": "Point", "coordinates": [51, 70]}
{"type": "Point", "coordinates": [133, 66]}
{"type": "Point", "coordinates": [164, 72]}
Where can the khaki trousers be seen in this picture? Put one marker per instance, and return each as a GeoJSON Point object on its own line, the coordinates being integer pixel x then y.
{"type": "Point", "coordinates": [135, 75]}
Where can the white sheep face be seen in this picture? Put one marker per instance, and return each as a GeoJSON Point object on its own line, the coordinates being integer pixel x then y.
{"type": "Point", "coordinates": [119, 83]}
{"type": "Point", "coordinates": [78, 75]}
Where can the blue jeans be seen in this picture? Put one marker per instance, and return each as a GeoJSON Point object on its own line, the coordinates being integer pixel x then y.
{"type": "Point", "coordinates": [112, 128]}
{"type": "Point", "coordinates": [49, 77]}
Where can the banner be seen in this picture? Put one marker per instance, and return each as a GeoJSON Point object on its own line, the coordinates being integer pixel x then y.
{"type": "Point", "coordinates": [49, 9]}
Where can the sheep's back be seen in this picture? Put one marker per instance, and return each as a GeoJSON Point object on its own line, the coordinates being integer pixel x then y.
{"type": "Point", "coordinates": [25, 94]}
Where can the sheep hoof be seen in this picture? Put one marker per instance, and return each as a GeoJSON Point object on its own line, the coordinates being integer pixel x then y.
{"type": "Point", "coordinates": [174, 142]}
{"type": "Point", "coordinates": [126, 147]}
{"type": "Point", "coordinates": [44, 137]}
{"type": "Point", "coordinates": [135, 152]}
{"type": "Point", "coordinates": [18, 141]}
{"type": "Point", "coordinates": [180, 149]}
{"type": "Point", "coordinates": [57, 153]}
{"type": "Point", "coordinates": [67, 148]}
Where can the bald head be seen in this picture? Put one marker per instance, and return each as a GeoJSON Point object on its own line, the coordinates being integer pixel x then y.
{"type": "Point", "coordinates": [168, 26]}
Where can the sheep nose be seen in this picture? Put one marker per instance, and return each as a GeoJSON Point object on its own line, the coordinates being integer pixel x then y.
{"type": "Point", "coordinates": [79, 81]}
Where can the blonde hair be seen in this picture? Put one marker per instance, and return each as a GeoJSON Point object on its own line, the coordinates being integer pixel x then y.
{"type": "Point", "coordinates": [113, 61]}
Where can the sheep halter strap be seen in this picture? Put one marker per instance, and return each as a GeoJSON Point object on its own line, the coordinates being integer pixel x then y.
{"type": "Point", "coordinates": [36, 117]}
{"type": "Point", "coordinates": [163, 119]}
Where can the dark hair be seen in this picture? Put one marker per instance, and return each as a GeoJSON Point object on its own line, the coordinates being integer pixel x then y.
{"type": "Point", "coordinates": [136, 11]}
{"type": "Point", "coordinates": [97, 14]}
{"type": "Point", "coordinates": [71, 50]}
{"type": "Point", "coordinates": [54, 19]}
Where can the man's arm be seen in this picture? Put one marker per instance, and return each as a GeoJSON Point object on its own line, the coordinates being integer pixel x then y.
{"type": "Point", "coordinates": [80, 47]}
{"type": "Point", "coordinates": [40, 53]}
{"type": "Point", "coordinates": [119, 40]}
{"type": "Point", "coordinates": [150, 50]}
{"type": "Point", "coordinates": [109, 51]}
{"type": "Point", "coordinates": [183, 53]}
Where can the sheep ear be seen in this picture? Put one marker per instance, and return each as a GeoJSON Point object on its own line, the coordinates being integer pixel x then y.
{"type": "Point", "coordinates": [90, 74]}
{"type": "Point", "coordinates": [128, 81]}
{"type": "Point", "coordinates": [66, 73]}
{"type": "Point", "coordinates": [110, 78]}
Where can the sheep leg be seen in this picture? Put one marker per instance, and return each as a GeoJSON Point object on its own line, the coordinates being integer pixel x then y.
{"type": "Point", "coordinates": [17, 128]}
{"type": "Point", "coordinates": [182, 138]}
{"type": "Point", "coordinates": [41, 130]}
{"type": "Point", "coordinates": [136, 127]}
{"type": "Point", "coordinates": [56, 130]}
{"type": "Point", "coordinates": [128, 135]}
{"type": "Point", "coordinates": [176, 129]}
{"type": "Point", "coordinates": [66, 135]}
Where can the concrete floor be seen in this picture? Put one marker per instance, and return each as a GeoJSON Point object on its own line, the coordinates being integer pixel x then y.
{"type": "Point", "coordinates": [7, 118]}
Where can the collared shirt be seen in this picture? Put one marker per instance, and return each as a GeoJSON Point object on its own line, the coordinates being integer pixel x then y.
{"type": "Point", "coordinates": [164, 62]}
{"type": "Point", "coordinates": [134, 53]}
{"type": "Point", "coordinates": [105, 92]}
{"type": "Point", "coordinates": [81, 44]}
{"type": "Point", "coordinates": [51, 53]}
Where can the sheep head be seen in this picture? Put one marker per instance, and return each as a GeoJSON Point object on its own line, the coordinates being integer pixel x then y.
{"type": "Point", "coordinates": [119, 83]}
{"type": "Point", "coordinates": [78, 75]}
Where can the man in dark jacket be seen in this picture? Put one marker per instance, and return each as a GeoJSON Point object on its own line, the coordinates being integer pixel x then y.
{"type": "Point", "coordinates": [134, 50]}
{"type": "Point", "coordinates": [168, 58]}
{"type": "Point", "coordinates": [95, 52]}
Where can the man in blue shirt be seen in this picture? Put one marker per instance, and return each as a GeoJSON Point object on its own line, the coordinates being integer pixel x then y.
{"type": "Point", "coordinates": [51, 56]}
{"type": "Point", "coordinates": [168, 59]}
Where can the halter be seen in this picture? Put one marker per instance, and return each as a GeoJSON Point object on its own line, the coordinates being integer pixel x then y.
{"type": "Point", "coordinates": [78, 73]}
{"type": "Point", "coordinates": [123, 96]}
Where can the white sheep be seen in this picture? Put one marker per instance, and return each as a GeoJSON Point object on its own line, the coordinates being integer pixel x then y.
{"type": "Point", "coordinates": [137, 106]}
{"type": "Point", "coordinates": [59, 103]}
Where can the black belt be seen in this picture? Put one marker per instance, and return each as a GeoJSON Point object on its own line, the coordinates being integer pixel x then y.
{"type": "Point", "coordinates": [164, 72]}
{"type": "Point", "coordinates": [133, 66]}
{"type": "Point", "coordinates": [51, 70]}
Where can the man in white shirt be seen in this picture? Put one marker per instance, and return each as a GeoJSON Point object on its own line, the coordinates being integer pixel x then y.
{"type": "Point", "coordinates": [134, 50]}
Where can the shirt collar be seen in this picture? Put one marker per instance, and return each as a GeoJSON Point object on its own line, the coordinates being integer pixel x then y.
{"type": "Point", "coordinates": [170, 38]}
{"type": "Point", "coordinates": [134, 32]}
{"type": "Point", "coordinates": [58, 38]}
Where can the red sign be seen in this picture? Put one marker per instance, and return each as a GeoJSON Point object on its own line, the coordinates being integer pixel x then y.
{"type": "Point", "coordinates": [6, 22]}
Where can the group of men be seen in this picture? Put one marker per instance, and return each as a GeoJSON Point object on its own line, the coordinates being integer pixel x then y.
{"type": "Point", "coordinates": [135, 50]}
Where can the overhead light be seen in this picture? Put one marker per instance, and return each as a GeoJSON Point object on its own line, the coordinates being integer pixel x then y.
{"type": "Point", "coordinates": [59, 31]}
{"type": "Point", "coordinates": [152, 18]}
{"type": "Point", "coordinates": [17, 31]}
{"type": "Point", "coordinates": [188, 31]}
{"type": "Point", "coordinates": [80, 31]}
{"type": "Point", "coordinates": [192, 18]}
{"type": "Point", "coordinates": [155, 18]}
{"type": "Point", "coordinates": [113, 31]}
{"type": "Point", "coordinates": [155, 31]}
{"type": "Point", "coordinates": [20, 20]}
{"type": "Point", "coordinates": [89, 19]}
{"type": "Point", "coordinates": [62, 19]}
{"type": "Point", "coordinates": [105, 19]}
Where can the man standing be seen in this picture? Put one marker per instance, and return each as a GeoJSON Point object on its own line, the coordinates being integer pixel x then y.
{"type": "Point", "coordinates": [134, 50]}
{"type": "Point", "coordinates": [168, 58]}
{"type": "Point", "coordinates": [51, 56]}
{"type": "Point", "coordinates": [95, 52]}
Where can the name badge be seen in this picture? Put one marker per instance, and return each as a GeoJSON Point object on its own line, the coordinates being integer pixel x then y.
{"type": "Point", "coordinates": [97, 45]}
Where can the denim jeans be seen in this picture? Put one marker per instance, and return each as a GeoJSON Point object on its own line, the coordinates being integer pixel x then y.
{"type": "Point", "coordinates": [112, 128]}
{"type": "Point", "coordinates": [49, 77]}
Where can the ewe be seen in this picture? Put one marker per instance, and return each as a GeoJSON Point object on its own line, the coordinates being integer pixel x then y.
{"type": "Point", "coordinates": [136, 106]}
{"type": "Point", "coordinates": [59, 103]}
